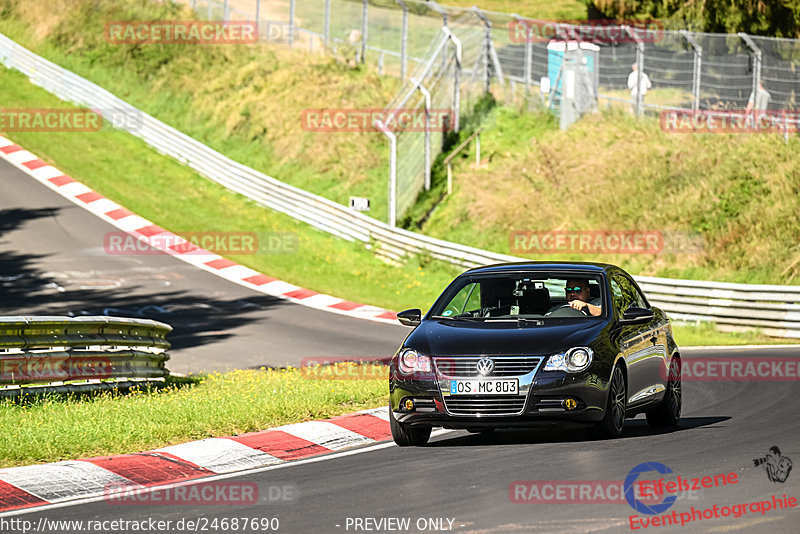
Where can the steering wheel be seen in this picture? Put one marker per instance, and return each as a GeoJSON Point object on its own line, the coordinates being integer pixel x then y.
{"type": "Point", "coordinates": [584, 310]}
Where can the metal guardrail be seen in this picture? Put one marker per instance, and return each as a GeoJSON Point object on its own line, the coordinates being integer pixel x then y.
{"type": "Point", "coordinates": [777, 311]}
{"type": "Point", "coordinates": [59, 354]}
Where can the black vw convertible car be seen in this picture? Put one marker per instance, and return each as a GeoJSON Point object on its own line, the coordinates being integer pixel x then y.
{"type": "Point", "coordinates": [535, 344]}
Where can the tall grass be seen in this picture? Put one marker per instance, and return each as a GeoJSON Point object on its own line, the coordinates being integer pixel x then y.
{"type": "Point", "coordinates": [740, 193]}
{"type": "Point", "coordinates": [56, 428]}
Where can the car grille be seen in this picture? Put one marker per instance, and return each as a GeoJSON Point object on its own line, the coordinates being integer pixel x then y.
{"type": "Point", "coordinates": [464, 366]}
{"type": "Point", "coordinates": [485, 404]}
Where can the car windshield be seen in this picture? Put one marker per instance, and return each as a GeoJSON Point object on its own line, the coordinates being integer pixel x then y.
{"type": "Point", "coordinates": [521, 296]}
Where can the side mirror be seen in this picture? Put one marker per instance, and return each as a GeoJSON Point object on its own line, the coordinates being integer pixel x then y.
{"type": "Point", "coordinates": [410, 317]}
{"type": "Point", "coordinates": [634, 315]}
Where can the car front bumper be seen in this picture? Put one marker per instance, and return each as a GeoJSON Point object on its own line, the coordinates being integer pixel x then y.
{"type": "Point", "coordinates": [542, 402]}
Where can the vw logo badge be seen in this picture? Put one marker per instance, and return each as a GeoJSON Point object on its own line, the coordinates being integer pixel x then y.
{"type": "Point", "coordinates": [484, 366]}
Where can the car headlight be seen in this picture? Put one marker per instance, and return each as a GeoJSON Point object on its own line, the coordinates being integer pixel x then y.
{"type": "Point", "coordinates": [573, 360]}
{"type": "Point", "coordinates": [410, 361]}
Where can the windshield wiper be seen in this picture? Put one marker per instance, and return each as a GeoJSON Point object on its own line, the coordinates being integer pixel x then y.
{"type": "Point", "coordinates": [459, 317]}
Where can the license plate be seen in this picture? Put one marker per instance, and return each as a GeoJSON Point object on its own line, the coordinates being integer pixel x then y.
{"type": "Point", "coordinates": [484, 387]}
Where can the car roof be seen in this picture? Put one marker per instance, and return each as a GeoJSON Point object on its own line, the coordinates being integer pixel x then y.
{"type": "Point", "coordinates": [538, 266]}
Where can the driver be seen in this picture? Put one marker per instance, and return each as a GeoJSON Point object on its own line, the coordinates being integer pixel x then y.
{"type": "Point", "coordinates": [578, 297]}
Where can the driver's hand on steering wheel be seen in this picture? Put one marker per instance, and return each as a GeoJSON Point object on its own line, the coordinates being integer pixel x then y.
{"type": "Point", "coordinates": [578, 304]}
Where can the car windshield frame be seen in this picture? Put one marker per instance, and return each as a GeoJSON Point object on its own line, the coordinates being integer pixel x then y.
{"type": "Point", "coordinates": [556, 278]}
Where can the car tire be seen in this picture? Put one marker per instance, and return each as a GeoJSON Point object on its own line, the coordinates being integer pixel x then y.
{"type": "Point", "coordinates": [406, 435]}
{"type": "Point", "coordinates": [668, 412]}
{"type": "Point", "coordinates": [614, 417]}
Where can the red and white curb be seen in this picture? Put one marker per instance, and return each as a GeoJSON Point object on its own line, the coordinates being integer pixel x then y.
{"type": "Point", "coordinates": [174, 245]}
{"type": "Point", "coordinates": [39, 485]}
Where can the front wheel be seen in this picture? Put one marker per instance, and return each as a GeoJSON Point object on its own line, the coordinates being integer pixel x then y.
{"type": "Point", "coordinates": [406, 435]}
{"type": "Point", "coordinates": [614, 417]}
{"type": "Point", "coordinates": [668, 412]}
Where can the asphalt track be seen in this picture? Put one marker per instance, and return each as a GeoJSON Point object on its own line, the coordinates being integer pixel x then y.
{"type": "Point", "coordinates": [52, 262]}
{"type": "Point", "coordinates": [466, 478]}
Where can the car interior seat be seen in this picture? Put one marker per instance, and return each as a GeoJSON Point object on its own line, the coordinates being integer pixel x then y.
{"type": "Point", "coordinates": [594, 291]}
{"type": "Point", "coordinates": [497, 294]}
{"type": "Point", "coordinates": [534, 301]}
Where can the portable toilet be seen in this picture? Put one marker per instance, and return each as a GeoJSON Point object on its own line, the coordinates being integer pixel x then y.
{"type": "Point", "coordinates": [587, 54]}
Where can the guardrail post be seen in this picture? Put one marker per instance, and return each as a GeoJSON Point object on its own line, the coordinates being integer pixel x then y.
{"type": "Point", "coordinates": [326, 24]}
{"type": "Point", "coordinates": [756, 63]}
{"type": "Point", "coordinates": [392, 171]}
{"type": "Point", "coordinates": [403, 41]}
{"type": "Point", "coordinates": [696, 70]}
{"type": "Point", "coordinates": [364, 28]}
{"type": "Point", "coordinates": [291, 23]}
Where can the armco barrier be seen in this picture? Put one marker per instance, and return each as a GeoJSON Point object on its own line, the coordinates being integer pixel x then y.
{"type": "Point", "coordinates": [40, 354]}
{"type": "Point", "coordinates": [773, 308]}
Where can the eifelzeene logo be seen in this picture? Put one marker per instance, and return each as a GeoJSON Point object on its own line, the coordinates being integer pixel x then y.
{"type": "Point", "coordinates": [777, 467]}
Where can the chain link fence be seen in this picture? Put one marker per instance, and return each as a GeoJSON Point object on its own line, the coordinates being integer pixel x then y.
{"type": "Point", "coordinates": [508, 54]}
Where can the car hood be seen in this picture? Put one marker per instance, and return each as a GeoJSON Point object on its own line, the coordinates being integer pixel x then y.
{"type": "Point", "coordinates": [451, 338]}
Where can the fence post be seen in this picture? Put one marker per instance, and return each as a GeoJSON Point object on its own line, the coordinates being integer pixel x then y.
{"type": "Point", "coordinates": [291, 23]}
{"type": "Point", "coordinates": [756, 63]}
{"type": "Point", "coordinates": [528, 50]}
{"type": "Point", "coordinates": [456, 79]}
{"type": "Point", "coordinates": [392, 171]}
{"type": "Point", "coordinates": [225, 11]}
{"type": "Point", "coordinates": [698, 64]}
{"type": "Point", "coordinates": [422, 89]}
{"type": "Point", "coordinates": [364, 28]}
{"type": "Point", "coordinates": [488, 45]}
{"type": "Point", "coordinates": [326, 24]}
{"type": "Point", "coordinates": [403, 41]}
{"type": "Point", "coordinates": [194, 5]}
{"type": "Point", "coordinates": [439, 9]}
{"type": "Point", "coordinates": [639, 70]}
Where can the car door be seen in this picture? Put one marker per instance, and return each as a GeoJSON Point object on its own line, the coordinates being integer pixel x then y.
{"type": "Point", "coordinates": [644, 355]}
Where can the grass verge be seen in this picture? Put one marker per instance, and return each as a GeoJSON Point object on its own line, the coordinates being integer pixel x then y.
{"type": "Point", "coordinates": [53, 428]}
